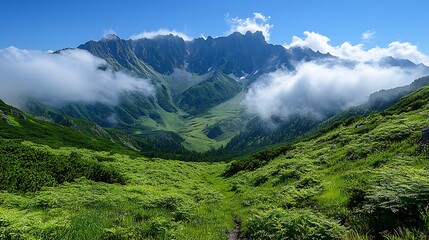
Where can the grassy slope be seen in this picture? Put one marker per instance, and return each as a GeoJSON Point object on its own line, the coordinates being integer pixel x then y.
{"type": "Point", "coordinates": [43, 132]}
{"type": "Point", "coordinates": [376, 167]}
{"type": "Point", "coordinates": [162, 199]}
{"type": "Point", "coordinates": [207, 94]}
{"type": "Point", "coordinates": [194, 131]}
{"type": "Point", "coordinates": [375, 173]}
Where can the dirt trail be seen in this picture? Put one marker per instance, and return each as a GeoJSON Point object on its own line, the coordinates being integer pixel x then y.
{"type": "Point", "coordinates": [236, 233]}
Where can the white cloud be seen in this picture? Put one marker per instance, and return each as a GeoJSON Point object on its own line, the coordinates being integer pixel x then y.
{"type": "Point", "coordinates": [70, 76]}
{"type": "Point", "coordinates": [368, 35]}
{"type": "Point", "coordinates": [109, 34]}
{"type": "Point", "coordinates": [321, 89]}
{"type": "Point", "coordinates": [400, 50]}
{"type": "Point", "coordinates": [257, 23]}
{"type": "Point", "coordinates": [160, 32]}
{"type": "Point", "coordinates": [315, 41]}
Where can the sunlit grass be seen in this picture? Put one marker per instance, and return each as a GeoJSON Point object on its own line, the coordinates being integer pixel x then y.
{"type": "Point", "coordinates": [340, 183]}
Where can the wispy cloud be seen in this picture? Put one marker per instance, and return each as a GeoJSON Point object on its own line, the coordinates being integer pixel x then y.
{"type": "Point", "coordinates": [368, 35]}
{"type": "Point", "coordinates": [258, 22]}
{"type": "Point", "coordinates": [109, 33]}
{"type": "Point", "coordinates": [319, 89]}
{"type": "Point", "coordinates": [319, 42]}
{"type": "Point", "coordinates": [70, 76]}
{"type": "Point", "coordinates": [160, 32]}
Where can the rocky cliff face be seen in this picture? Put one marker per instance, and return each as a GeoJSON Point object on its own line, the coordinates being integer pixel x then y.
{"type": "Point", "coordinates": [237, 54]}
{"type": "Point", "coordinates": [192, 77]}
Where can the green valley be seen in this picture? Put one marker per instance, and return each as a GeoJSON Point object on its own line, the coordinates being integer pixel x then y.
{"type": "Point", "coordinates": [150, 120]}
{"type": "Point", "coordinates": [361, 178]}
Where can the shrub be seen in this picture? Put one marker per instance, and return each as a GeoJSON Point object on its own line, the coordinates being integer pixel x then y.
{"type": "Point", "coordinates": [256, 161]}
{"type": "Point", "coordinates": [23, 168]}
{"type": "Point", "coordinates": [170, 202]}
{"type": "Point", "coordinates": [309, 181]}
{"type": "Point", "coordinates": [397, 198]}
{"type": "Point", "coordinates": [407, 234]}
{"type": "Point", "coordinates": [260, 179]}
{"type": "Point", "coordinates": [285, 175]}
{"type": "Point", "coordinates": [292, 224]}
{"type": "Point", "coordinates": [290, 196]}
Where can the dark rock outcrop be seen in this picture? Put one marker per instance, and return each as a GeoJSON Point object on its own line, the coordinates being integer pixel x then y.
{"type": "Point", "coordinates": [4, 117]}
{"type": "Point", "coordinates": [424, 140]}
{"type": "Point", "coordinates": [18, 113]}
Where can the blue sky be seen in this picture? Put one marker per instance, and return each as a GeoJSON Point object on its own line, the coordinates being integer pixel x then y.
{"type": "Point", "coordinates": [54, 24]}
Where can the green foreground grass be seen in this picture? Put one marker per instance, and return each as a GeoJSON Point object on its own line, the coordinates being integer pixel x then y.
{"type": "Point", "coordinates": [162, 199]}
{"type": "Point", "coordinates": [365, 178]}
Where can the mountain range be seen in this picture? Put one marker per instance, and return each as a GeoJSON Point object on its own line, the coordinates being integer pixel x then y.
{"type": "Point", "coordinates": [189, 161]}
{"type": "Point", "coordinates": [199, 89]}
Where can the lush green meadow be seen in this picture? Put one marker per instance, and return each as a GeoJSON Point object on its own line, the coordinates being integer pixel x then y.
{"type": "Point", "coordinates": [159, 199]}
{"type": "Point", "coordinates": [361, 178]}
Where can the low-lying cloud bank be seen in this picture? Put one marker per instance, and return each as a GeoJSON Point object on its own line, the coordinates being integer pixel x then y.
{"type": "Point", "coordinates": [69, 76]}
{"type": "Point", "coordinates": [319, 42]}
{"type": "Point", "coordinates": [323, 88]}
{"type": "Point", "coordinates": [320, 89]}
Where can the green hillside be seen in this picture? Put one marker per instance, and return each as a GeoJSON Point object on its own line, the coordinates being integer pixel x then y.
{"type": "Point", "coordinates": [209, 93]}
{"type": "Point", "coordinates": [361, 178]}
{"type": "Point", "coordinates": [14, 124]}
{"type": "Point", "coordinates": [367, 173]}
